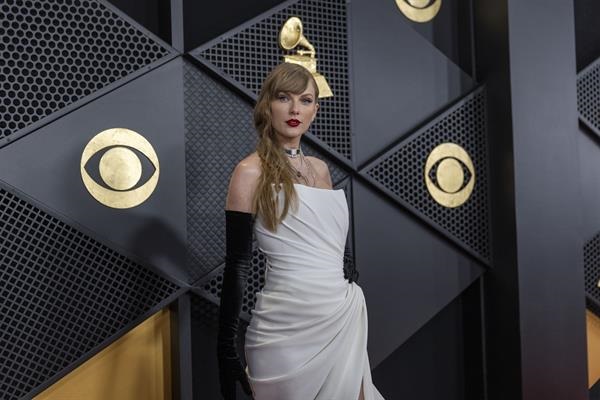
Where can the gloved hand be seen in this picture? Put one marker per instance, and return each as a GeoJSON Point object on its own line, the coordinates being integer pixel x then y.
{"type": "Point", "coordinates": [350, 271]}
{"type": "Point", "coordinates": [238, 243]}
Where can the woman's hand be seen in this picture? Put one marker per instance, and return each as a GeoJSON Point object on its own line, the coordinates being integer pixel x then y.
{"type": "Point", "coordinates": [231, 370]}
{"type": "Point", "coordinates": [350, 271]}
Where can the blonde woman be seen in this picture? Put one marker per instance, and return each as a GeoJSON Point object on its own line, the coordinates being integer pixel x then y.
{"type": "Point", "coordinates": [307, 337]}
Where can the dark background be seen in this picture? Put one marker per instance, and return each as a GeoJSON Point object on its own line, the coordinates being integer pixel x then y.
{"type": "Point", "coordinates": [483, 301]}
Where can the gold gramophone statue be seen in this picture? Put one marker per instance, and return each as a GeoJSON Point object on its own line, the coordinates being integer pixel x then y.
{"type": "Point", "coordinates": [291, 36]}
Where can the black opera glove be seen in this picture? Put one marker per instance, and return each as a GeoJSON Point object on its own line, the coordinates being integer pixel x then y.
{"type": "Point", "coordinates": [238, 244]}
{"type": "Point", "coordinates": [350, 272]}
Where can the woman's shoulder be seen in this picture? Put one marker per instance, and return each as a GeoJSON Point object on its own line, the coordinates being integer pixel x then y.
{"type": "Point", "coordinates": [248, 167]}
{"type": "Point", "coordinates": [319, 164]}
{"type": "Point", "coordinates": [322, 169]}
{"type": "Point", "coordinates": [242, 184]}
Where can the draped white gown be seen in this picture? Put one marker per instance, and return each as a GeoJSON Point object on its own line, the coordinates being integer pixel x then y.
{"type": "Point", "coordinates": [307, 338]}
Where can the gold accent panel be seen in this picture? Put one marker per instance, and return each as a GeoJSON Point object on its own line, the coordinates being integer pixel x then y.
{"type": "Point", "coordinates": [419, 10]}
{"type": "Point", "coordinates": [120, 168]}
{"type": "Point", "coordinates": [593, 347]}
{"type": "Point", "coordinates": [136, 366]}
{"type": "Point", "coordinates": [450, 190]}
{"type": "Point", "coordinates": [290, 36]}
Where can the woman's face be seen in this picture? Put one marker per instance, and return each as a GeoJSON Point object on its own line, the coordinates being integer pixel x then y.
{"type": "Point", "coordinates": [292, 114]}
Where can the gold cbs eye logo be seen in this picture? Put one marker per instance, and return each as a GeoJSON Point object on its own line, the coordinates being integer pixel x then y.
{"type": "Point", "coordinates": [446, 168]}
{"type": "Point", "coordinates": [419, 10]}
{"type": "Point", "coordinates": [120, 168]}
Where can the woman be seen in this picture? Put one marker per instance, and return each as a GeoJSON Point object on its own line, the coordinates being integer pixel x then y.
{"type": "Point", "coordinates": [308, 333]}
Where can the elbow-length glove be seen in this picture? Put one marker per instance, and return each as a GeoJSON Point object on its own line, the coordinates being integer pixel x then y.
{"type": "Point", "coordinates": [350, 271]}
{"type": "Point", "coordinates": [238, 243]}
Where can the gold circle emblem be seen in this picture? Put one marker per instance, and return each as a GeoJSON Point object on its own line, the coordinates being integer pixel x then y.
{"type": "Point", "coordinates": [419, 10]}
{"type": "Point", "coordinates": [120, 168]}
{"type": "Point", "coordinates": [450, 161]}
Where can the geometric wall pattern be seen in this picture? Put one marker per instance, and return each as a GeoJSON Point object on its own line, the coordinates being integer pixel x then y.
{"type": "Point", "coordinates": [62, 294]}
{"type": "Point", "coordinates": [588, 104]}
{"type": "Point", "coordinates": [588, 98]}
{"type": "Point", "coordinates": [591, 262]}
{"type": "Point", "coordinates": [248, 53]}
{"type": "Point", "coordinates": [136, 366]}
{"type": "Point", "coordinates": [210, 288]}
{"type": "Point", "coordinates": [399, 172]}
{"type": "Point", "coordinates": [218, 133]}
{"type": "Point", "coordinates": [55, 52]}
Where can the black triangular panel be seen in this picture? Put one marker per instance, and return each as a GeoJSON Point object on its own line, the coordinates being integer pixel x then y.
{"type": "Point", "coordinates": [55, 53]}
{"type": "Point", "coordinates": [595, 391]}
{"type": "Point", "coordinates": [450, 31]}
{"type": "Point", "coordinates": [588, 96]}
{"type": "Point", "coordinates": [63, 295]}
{"type": "Point", "coordinates": [246, 54]}
{"type": "Point", "coordinates": [400, 173]}
{"type": "Point", "coordinates": [46, 166]}
{"type": "Point", "coordinates": [591, 262]}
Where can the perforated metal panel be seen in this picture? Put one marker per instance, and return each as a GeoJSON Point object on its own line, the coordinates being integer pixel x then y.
{"type": "Point", "coordinates": [210, 286]}
{"type": "Point", "coordinates": [204, 312]}
{"type": "Point", "coordinates": [591, 262]}
{"type": "Point", "coordinates": [588, 95]}
{"type": "Point", "coordinates": [55, 52]}
{"type": "Point", "coordinates": [219, 133]}
{"type": "Point", "coordinates": [248, 53]}
{"type": "Point", "coordinates": [61, 294]}
{"type": "Point", "coordinates": [400, 171]}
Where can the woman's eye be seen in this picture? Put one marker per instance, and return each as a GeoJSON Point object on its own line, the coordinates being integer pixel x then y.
{"type": "Point", "coordinates": [282, 98]}
{"type": "Point", "coordinates": [307, 101]}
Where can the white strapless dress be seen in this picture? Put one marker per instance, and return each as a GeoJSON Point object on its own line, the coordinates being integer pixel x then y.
{"type": "Point", "coordinates": [307, 338]}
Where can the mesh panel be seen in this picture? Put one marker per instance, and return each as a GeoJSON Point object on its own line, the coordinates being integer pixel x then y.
{"type": "Point", "coordinates": [219, 133]}
{"type": "Point", "coordinates": [400, 172]}
{"type": "Point", "coordinates": [61, 294]}
{"type": "Point", "coordinates": [210, 288]}
{"type": "Point", "coordinates": [588, 100]}
{"type": "Point", "coordinates": [249, 54]}
{"type": "Point", "coordinates": [204, 312]}
{"type": "Point", "coordinates": [55, 52]}
{"type": "Point", "coordinates": [591, 262]}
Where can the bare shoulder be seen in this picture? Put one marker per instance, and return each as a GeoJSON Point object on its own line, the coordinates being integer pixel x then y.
{"type": "Point", "coordinates": [242, 184]}
{"type": "Point", "coordinates": [322, 170]}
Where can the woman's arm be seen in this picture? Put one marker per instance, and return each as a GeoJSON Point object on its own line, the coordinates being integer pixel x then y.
{"type": "Point", "coordinates": [242, 184]}
{"type": "Point", "coordinates": [239, 223]}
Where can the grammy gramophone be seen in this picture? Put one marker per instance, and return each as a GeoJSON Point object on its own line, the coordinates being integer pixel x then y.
{"type": "Point", "coordinates": [290, 37]}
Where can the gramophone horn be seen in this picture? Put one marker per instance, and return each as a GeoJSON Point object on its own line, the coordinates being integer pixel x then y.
{"type": "Point", "coordinates": [291, 36]}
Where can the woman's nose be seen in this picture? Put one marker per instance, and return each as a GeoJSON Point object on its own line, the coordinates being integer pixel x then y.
{"type": "Point", "coordinates": [294, 108]}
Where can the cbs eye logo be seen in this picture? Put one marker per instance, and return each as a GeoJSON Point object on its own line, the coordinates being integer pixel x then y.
{"type": "Point", "coordinates": [449, 175]}
{"type": "Point", "coordinates": [419, 10]}
{"type": "Point", "coordinates": [120, 168]}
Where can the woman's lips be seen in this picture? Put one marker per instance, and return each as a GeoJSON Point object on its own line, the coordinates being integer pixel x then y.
{"type": "Point", "coordinates": [292, 122]}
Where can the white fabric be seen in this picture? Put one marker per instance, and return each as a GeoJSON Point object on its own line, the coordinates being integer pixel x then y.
{"type": "Point", "coordinates": [307, 338]}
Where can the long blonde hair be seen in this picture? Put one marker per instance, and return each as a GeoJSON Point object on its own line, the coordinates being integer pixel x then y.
{"type": "Point", "coordinates": [275, 165]}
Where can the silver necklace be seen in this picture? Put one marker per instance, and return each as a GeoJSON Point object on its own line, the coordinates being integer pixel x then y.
{"type": "Point", "coordinates": [293, 153]}
{"type": "Point", "coordinates": [309, 167]}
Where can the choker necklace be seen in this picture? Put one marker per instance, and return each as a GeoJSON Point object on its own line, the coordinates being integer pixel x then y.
{"type": "Point", "coordinates": [293, 152]}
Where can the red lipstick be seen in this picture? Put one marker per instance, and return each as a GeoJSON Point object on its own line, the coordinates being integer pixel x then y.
{"type": "Point", "coordinates": [292, 122]}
